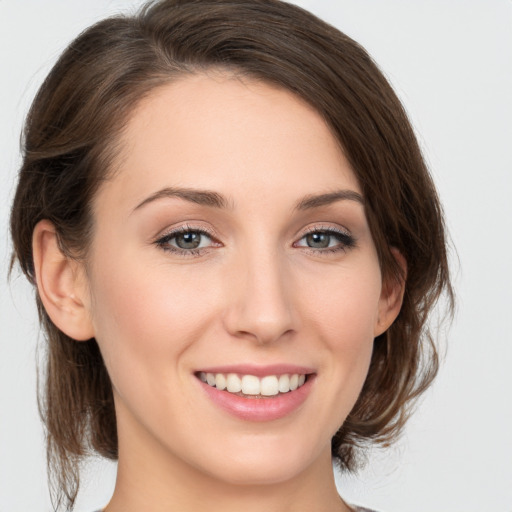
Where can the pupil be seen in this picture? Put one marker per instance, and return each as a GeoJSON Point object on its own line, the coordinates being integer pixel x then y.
{"type": "Point", "coordinates": [188, 240]}
{"type": "Point", "coordinates": [318, 240]}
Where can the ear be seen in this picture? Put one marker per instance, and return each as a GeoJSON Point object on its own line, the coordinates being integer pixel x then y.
{"type": "Point", "coordinates": [392, 295]}
{"type": "Point", "coordinates": [61, 284]}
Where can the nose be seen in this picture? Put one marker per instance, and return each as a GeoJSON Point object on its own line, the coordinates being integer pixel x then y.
{"type": "Point", "coordinates": [260, 305]}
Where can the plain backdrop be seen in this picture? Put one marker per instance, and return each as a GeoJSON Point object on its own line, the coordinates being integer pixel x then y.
{"type": "Point", "coordinates": [451, 64]}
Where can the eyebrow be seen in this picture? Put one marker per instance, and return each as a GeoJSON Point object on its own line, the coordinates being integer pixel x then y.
{"type": "Point", "coordinates": [216, 200]}
{"type": "Point", "coordinates": [202, 197]}
{"type": "Point", "coordinates": [315, 201]}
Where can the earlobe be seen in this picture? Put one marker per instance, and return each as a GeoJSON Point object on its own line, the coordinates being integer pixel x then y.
{"type": "Point", "coordinates": [61, 284]}
{"type": "Point", "coordinates": [392, 295]}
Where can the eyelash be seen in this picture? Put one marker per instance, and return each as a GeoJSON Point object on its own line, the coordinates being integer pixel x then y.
{"type": "Point", "coordinates": [346, 241]}
{"type": "Point", "coordinates": [163, 241]}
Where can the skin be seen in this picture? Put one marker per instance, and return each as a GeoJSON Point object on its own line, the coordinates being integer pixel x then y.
{"type": "Point", "coordinates": [255, 292]}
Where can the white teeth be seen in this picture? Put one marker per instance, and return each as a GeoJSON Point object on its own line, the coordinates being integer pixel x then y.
{"type": "Point", "coordinates": [250, 385]}
{"type": "Point", "coordinates": [220, 381]}
{"type": "Point", "coordinates": [284, 383]}
{"type": "Point", "coordinates": [269, 385]}
{"type": "Point", "coordinates": [233, 383]}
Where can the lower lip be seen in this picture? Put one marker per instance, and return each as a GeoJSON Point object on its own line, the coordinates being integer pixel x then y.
{"type": "Point", "coordinates": [259, 409]}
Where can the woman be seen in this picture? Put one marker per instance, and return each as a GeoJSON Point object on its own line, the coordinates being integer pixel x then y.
{"type": "Point", "coordinates": [236, 244]}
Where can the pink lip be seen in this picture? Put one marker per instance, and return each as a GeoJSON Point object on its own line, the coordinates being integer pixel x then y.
{"type": "Point", "coordinates": [259, 409]}
{"type": "Point", "coordinates": [259, 371]}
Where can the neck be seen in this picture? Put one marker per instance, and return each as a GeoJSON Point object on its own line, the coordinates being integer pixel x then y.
{"type": "Point", "coordinates": [151, 478]}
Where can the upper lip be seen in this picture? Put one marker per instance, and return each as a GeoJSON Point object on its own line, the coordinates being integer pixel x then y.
{"type": "Point", "coordinates": [259, 370]}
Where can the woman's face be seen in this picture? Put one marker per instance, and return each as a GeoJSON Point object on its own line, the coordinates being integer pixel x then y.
{"type": "Point", "coordinates": [232, 246]}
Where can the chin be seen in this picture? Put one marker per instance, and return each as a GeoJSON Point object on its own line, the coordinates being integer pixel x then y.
{"type": "Point", "coordinates": [263, 463]}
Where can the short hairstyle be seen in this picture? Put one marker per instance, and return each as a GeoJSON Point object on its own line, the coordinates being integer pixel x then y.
{"type": "Point", "coordinates": [71, 140]}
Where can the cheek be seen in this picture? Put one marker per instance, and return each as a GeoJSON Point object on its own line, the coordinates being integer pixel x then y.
{"type": "Point", "coordinates": [342, 311]}
{"type": "Point", "coordinates": [145, 316]}
{"type": "Point", "coordinates": [344, 303]}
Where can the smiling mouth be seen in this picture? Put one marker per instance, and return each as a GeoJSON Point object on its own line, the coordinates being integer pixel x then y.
{"type": "Point", "coordinates": [251, 386]}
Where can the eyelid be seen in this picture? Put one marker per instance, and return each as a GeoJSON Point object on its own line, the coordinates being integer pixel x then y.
{"type": "Point", "coordinates": [346, 239]}
{"type": "Point", "coordinates": [185, 228]}
{"type": "Point", "coordinates": [165, 236]}
{"type": "Point", "coordinates": [324, 228]}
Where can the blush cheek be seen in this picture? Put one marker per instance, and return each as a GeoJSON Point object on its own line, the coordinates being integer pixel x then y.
{"type": "Point", "coordinates": [342, 313]}
{"type": "Point", "coordinates": [144, 322]}
{"type": "Point", "coordinates": [347, 306]}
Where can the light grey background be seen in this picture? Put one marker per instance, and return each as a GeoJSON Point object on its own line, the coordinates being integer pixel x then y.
{"type": "Point", "coordinates": [451, 63]}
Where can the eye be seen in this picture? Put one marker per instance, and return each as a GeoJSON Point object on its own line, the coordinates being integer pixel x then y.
{"type": "Point", "coordinates": [326, 239]}
{"type": "Point", "coordinates": [189, 240]}
{"type": "Point", "coordinates": [186, 240]}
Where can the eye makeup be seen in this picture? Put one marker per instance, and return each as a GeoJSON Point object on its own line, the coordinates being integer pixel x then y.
{"type": "Point", "coordinates": [319, 239]}
{"type": "Point", "coordinates": [190, 241]}
{"type": "Point", "coordinates": [187, 241]}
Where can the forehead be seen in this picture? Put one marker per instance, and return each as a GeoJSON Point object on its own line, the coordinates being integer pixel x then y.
{"type": "Point", "coordinates": [219, 132]}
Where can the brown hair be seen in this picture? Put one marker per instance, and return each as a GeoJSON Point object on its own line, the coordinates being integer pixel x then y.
{"type": "Point", "coordinates": [70, 143]}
